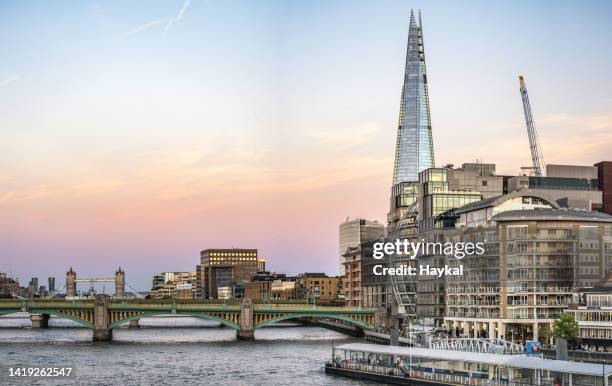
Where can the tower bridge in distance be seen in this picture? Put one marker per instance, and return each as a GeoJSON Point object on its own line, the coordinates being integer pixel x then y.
{"type": "Point", "coordinates": [103, 313]}
{"type": "Point", "coordinates": [71, 283]}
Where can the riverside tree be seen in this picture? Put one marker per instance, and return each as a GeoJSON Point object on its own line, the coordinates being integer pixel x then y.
{"type": "Point", "coordinates": [566, 328]}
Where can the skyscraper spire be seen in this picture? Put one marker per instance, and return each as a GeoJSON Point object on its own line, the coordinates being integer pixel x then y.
{"type": "Point", "coordinates": [414, 146]}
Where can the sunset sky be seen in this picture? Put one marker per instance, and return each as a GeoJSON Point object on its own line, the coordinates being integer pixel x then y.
{"type": "Point", "coordinates": [136, 134]}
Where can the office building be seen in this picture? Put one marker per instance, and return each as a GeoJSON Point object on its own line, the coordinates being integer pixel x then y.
{"type": "Point", "coordinates": [436, 201]}
{"type": "Point", "coordinates": [476, 177]}
{"type": "Point", "coordinates": [51, 284]}
{"type": "Point", "coordinates": [33, 285]}
{"type": "Point", "coordinates": [199, 287]}
{"type": "Point", "coordinates": [174, 284]}
{"type": "Point", "coordinates": [355, 232]}
{"type": "Point", "coordinates": [8, 286]}
{"type": "Point", "coordinates": [184, 291]}
{"type": "Point", "coordinates": [261, 264]}
{"type": "Point", "coordinates": [260, 286]}
{"type": "Point", "coordinates": [317, 286]}
{"type": "Point", "coordinates": [283, 289]}
{"type": "Point", "coordinates": [604, 179]}
{"type": "Point", "coordinates": [158, 280]}
{"type": "Point", "coordinates": [258, 290]}
{"type": "Point", "coordinates": [441, 191]}
{"type": "Point", "coordinates": [224, 271]}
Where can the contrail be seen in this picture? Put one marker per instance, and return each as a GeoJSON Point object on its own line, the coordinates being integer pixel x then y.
{"type": "Point", "coordinates": [178, 17]}
{"type": "Point", "coordinates": [144, 26]}
{"type": "Point", "coordinates": [168, 20]}
{"type": "Point", "coordinates": [182, 11]}
{"type": "Point", "coordinates": [10, 80]}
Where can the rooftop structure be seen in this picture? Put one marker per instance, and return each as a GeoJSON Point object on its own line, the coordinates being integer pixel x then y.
{"type": "Point", "coordinates": [481, 212]}
{"type": "Point", "coordinates": [577, 185]}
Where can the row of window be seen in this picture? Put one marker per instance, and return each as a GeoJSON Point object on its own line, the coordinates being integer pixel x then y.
{"type": "Point", "coordinates": [233, 254]}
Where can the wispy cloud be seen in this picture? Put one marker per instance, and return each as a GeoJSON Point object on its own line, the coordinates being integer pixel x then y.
{"type": "Point", "coordinates": [345, 137]}
{"type": "Point", "coordinates": [12, 79]}
{"type": "Point", "coordinates": [144, 27]}
{"type": "Point", "coordinates": [168, 20]}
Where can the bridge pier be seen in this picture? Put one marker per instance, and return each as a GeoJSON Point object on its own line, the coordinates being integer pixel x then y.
{"type": "Point", "coordinates": [102, 335]}
{"type": "Point", "coordinates": [134, 323]}
{"type": "Point", "coordinates": [101, 331]}
{"type": "Point", "coordinates": [247, 325]}
{"type": "Point", "coordinates": [39, 320]}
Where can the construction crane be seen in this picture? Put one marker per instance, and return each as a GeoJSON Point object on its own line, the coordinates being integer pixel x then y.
{"type": "Point", "coordinates": [537, 159]}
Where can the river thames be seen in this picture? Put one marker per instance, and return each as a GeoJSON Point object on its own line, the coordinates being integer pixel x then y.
{"type": "Point", "coordinates": [177, 350]}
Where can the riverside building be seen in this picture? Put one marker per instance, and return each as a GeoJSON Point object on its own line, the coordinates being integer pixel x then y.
{"type": "Point", "coordinates": [536, 256]}
{"type": "Point", "coordinates": [593, 312]}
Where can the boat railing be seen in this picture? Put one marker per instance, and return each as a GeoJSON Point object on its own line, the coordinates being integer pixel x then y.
{"type": "Point", "coordinates": [429, 375]}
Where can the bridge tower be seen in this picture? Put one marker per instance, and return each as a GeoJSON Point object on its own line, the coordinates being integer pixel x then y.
{"type": "Point", "coordinates": [119, 283]}
{"type": "Point", "coordinates": [70, 284]}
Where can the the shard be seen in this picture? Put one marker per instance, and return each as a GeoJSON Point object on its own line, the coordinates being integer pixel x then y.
{"type": "Point", "coordinates": [414, 148]}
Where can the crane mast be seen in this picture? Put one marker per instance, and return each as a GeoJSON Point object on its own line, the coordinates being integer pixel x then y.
{"type": "Point", "coordinates": [537, 159]}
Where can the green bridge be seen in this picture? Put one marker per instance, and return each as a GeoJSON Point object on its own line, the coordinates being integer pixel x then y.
{"type": "Point", "coordinates": [103, 314]}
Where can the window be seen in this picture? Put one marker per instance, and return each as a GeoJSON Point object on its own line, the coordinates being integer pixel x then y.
{"type": "Point", "coordinates": [484, 183]}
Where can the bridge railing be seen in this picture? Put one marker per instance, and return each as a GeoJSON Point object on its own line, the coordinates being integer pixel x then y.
{"type": "Point", "coordinates": [313, 307]}
{"type": "Point", "coordinates": [182, 303]}
{"type": "Point", "coordinates": [43, 302]}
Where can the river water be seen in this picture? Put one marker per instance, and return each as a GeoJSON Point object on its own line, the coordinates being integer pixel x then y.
{"type": "Point", "coordinates": [172, 350]}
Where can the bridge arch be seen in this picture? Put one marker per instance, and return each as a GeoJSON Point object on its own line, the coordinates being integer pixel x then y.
{"type": "Point", "coordinates": [82, 322]}
{"type": "Point", "coordinates": [343, 318]}
{"type": "Point", "coordinates": [225, 322]}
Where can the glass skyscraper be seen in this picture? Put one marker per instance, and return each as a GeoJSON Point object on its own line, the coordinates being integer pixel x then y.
{"type": "Point", "coordinates": [414, 149]}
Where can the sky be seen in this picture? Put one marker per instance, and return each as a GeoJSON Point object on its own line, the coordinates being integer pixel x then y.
{"type": "Point", "coordinates": [136, 134]}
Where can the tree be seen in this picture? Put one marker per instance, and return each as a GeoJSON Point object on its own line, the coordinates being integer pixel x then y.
{"type": "Point", "coordinates": [566, 328]}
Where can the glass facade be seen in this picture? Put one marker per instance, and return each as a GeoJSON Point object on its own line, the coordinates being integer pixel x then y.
{"type": "Point", "coordinates": [563, 183]}
{"type": "Point", "coordinates": [436, 201]}
{"type": "Point", "coordinates": [404, 194]}
{"type": "Point", "coordinates": [414, 147]}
